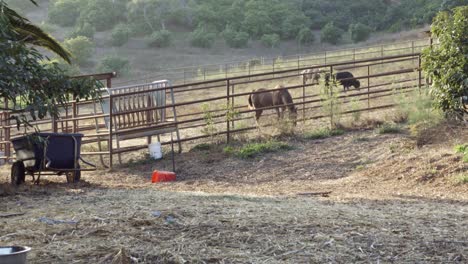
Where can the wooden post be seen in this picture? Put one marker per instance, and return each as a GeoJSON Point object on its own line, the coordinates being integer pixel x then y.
{"type": "Point", "coordinates": [228, 127]}
{"type": "Point", "coordinates": [226, 70]}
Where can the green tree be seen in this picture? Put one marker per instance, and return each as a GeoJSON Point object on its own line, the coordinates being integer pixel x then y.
{"type": "Point", "coordinates": [33, 88]}
{"type": "Point", "coordinates": [359, 32]}
{"type": "Point", "coordinates": [114, 63]}
{"type": "Point", "coordinates": [64, 12]}
{"type": "Point", "coordinates": [160, 39]}
{"type": "Point", "coordinates": [235, 39]}
{"type": "Point", "coordinates": [81, 47]}
{"type": "Point", "coordinates": [270, 40]}
{"type": "Point", "coordinates": [102, 14]}
{"type": "Point", "coordinates": [305, 36]}
{"type": "Point", "coordinates": [120, 35]}
{"type": "Point", "coordinates": [447, 63]}
{"type": "Point", "coordinates": [331, 34]}
{"type": "Point", "coordinates": [202, 38]}
{"type": "Point", "coordinates": [86, 30]}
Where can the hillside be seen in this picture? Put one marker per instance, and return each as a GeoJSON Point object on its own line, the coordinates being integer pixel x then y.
{"type": "Point", "coordinates": [142, 37]}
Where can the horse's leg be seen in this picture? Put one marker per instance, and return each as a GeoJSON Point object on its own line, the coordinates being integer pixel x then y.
{"type": "Point", "coordinates": [258, 113]}
{"type": "Point", "coordinates": [278, 112]}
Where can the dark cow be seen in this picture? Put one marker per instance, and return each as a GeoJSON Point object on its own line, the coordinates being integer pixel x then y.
{"type": "Point", "coordinates": [346, 79]}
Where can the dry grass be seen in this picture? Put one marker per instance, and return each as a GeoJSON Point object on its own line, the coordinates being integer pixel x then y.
{"type": "Point", "coordinates": [386, 205]}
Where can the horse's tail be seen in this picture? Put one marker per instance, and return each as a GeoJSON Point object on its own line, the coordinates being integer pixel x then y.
{"type": "Point", "coordinates": [250, 101]}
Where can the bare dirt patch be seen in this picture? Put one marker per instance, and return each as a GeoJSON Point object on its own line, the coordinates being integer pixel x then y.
{"type": "Point", "coordinates": [391, 202]}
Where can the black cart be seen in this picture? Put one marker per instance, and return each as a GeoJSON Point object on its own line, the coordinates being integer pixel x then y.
{"type": "Point", "coordinates": [48, 154]}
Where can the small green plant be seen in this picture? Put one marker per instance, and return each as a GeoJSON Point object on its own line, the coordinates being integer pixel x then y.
{"type": "Point", "coordinates": [461, 179]}
{"type": "Point", "coordinates": [331, 104]}
{"type": "Point", "coordinates": [323, 133]}
{"type": "Point", "coordinates": [356, 106]}
{"type": "Point", "coordinates": [210, 128]}
{"type": "Point", "coordinates": [252, 150]}
{"type": "Point", "coordinates": [359, 167]}
{"type": "Point", "coordinates": [388, 128]}
{"type": "Point", "coordinates": [462, 149]}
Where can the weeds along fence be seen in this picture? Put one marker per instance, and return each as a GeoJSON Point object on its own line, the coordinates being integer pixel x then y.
{"type": "Point", "coordinates": [261, 65]}
{"type": "Point", "coordinates": [217, 109]}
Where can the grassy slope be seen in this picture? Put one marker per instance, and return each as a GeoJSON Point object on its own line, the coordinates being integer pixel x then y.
{"type": "Point", "coordinates": [145, 60]}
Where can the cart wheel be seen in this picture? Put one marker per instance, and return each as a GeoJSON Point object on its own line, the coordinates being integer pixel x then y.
{"type": "Point", "coordinates": [18, 173]}
{"type": "Point", "coordinates": [74, 176]}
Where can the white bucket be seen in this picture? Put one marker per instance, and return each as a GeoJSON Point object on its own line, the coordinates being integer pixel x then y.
{"type": "Point", "coordinates": [2, 161]}
{"type": "Point", "coordinates": [155, 150]}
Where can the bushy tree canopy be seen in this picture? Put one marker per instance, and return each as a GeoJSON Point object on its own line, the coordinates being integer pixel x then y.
{"type": "Point", "coordinates": [33, 89]}
{"type": "Point", "coordinates": [447, 63]}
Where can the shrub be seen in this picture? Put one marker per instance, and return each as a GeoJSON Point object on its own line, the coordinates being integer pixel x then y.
{"type": "Point", "coordinates": [86, 30]}
{"type": "Point", "coordinates": [305, 36]}
{"type": "Point", "coordinates": [446, 64]}
{"type": "Point", "coordinates": [102, 14]}
{"type": "Point", "coordinates": [388, 128]}
{"type": "Point", "coordinates": [202, 38]}
{"type": "Point", "coordinates": [359, 32]}
{"type": "Point", "coordinates": [235, 39]}
{"type": "Point", "coordinates": [270, 40]}
{"type": "Point", "coordinates": [160, 39]}
{"type": "Point", "coordinates": [331, 34]}
{"type": "Point", "coordinates": [64, 12]}
{"type": "Point", "coordinates": [120, 35]}
{"type": "Point", "coordinates": [81, 48]}
{"type": "Point", "coordinates": [68, 69]}
{"type": "Point", "coordinates": [114, 63]}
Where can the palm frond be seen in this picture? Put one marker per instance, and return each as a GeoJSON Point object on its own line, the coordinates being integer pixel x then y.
{"type": "Point", "coordinates": [33, 34]}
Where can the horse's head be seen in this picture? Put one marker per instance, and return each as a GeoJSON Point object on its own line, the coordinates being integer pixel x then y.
{"type": "Point", "coordinates": [357, 84]}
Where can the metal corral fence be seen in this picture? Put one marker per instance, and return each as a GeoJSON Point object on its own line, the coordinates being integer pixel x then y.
{"type": "Point", "coordinates": [260, 65]}
{"type": "Point", "coordinates": [202, 107]}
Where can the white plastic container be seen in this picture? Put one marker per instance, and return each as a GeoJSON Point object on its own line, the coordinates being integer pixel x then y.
{"type": "Point", "coordinates": [155, 150]}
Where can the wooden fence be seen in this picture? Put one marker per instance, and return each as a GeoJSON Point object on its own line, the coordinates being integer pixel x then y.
{"type": "Point", "coordinates": [202, 107]}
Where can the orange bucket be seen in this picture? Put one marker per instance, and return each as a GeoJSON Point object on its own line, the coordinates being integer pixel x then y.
{"type": "Point", "coordinates": [163, 176]}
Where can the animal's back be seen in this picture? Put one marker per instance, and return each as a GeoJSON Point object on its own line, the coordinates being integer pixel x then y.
{"type": "Point", "coordinates": [343, 75]}
{"type": "Point", "coordinates": [258, 100]}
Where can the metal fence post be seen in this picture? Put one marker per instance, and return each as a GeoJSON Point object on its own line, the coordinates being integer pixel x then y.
{"type": "Point", "coordinates": [368, 87]}
{"type": "Point", "coordinates": [420, 73]}
{"type": "Point", "coordinates": [232, 105]}
{"type": "Point", "coordinates": [111, 125]}
{"type": "Point", "coordinates": [228, 127]}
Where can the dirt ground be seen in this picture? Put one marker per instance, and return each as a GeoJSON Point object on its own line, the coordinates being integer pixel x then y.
{"type": "Point", "coordinates": [389, 202]}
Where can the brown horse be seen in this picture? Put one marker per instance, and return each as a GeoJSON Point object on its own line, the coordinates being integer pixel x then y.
{"type": "Point", "coordinates": [281, 99]}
